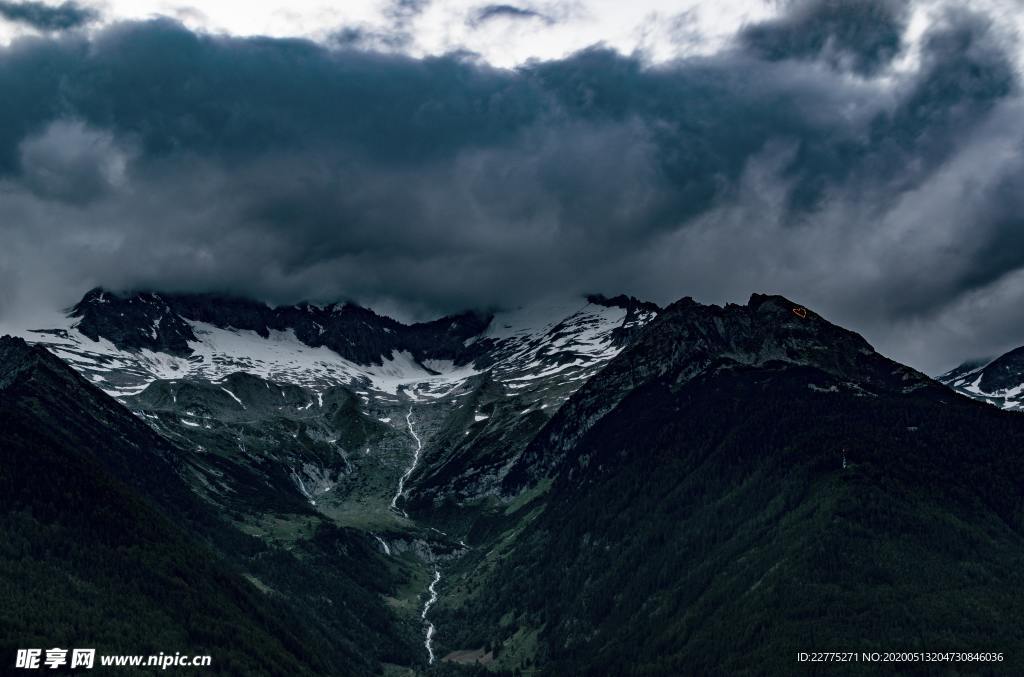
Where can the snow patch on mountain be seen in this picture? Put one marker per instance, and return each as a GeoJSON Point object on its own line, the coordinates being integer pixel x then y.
{"type": "Point", "coordinates": [998, 381]}
{"type": "Point", "coordinates": [542, 353]}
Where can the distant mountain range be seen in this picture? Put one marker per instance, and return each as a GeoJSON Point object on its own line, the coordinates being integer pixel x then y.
{"type": "Point", "coordinates": [125, 342]}
{"type": "Point", "coordinates": [598, 486]}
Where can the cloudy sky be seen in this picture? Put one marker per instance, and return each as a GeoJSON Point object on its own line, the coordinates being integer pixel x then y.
{"type": "Point", "coordinates": [424, 156]}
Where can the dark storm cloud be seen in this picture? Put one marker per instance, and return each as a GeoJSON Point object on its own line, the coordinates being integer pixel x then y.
{"type": "Point", "coordinates": [366, 38]}
{"type": "Point", "coordinates": [45, 17]}
{"type": "Point", "coordinates": [70, 163]}
{"type": "Point", "coordinates": [151, 156]}
{"type": "Point", "coordinates": [864, 34]}
{"type": "Point", "coordinates": [491, 12]}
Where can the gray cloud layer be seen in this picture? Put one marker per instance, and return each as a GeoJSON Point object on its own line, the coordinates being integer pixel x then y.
{"type": "Point", "coordinates": [794, 161]}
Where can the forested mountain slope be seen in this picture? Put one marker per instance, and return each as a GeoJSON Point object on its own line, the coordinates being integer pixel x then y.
{"type": "Point", "coordinates": [104, 546]}
{"type": "Point", "coordinates": [744, 483]}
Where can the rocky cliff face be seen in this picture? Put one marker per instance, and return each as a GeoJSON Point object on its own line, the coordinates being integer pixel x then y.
{"type": "Point", "coordinates": [134, 322]}
{"type": "Point", "coordinates": [689, 339]}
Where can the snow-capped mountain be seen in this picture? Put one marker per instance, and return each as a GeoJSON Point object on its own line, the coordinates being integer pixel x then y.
{"type": "Point", "coordinates": [998, 381]}
{"type": "Point", "coordinates": [314, 402]}
{"type": "Point", "coordinates": [123, 343]}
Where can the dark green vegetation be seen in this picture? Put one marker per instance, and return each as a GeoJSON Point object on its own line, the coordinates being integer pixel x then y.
{"type": "Point", "coordinates": [103, 545]}
{"type": "Point", "coordinates": [771, 487]}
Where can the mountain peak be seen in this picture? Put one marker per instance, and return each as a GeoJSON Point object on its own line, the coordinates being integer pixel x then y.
{"type": "Point", "coordinates": [769, 329]}
{"type": "Point", "coordinates": [12, 345]}
{"type": "Point", "coordinates": [622, 301]}
{"type": "Point", "coordinates": [137, 321]}
{"type": "Point", "coordinates": [774, 302]}
{"type": "Point", "coordinates": [164, 323]}
{"type": "Point", "coordinates": [689, 341]}
{"type": "Point", "coordinates": [14, 353]}
{"type": "Point", "coordinates": [18, 357]}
